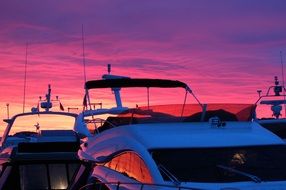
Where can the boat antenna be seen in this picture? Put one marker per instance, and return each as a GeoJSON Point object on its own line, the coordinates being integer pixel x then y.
{"type": "Point", "coordinates": [108, 69]}
{"type": "Point", "coordinates": [86, 96]}
{"type": "Point", "coordinates": [83, 53]}
{"type": "Point", "coordinates": [283, 79]}
{"type": "Point", "coordinates": [25, 78]}
{"type": "Point", "coordinates": [259, 93]}
{"type": "Point", "coordinates": [48, 98]}
{"type": "Point", "coordinates": [7, 105]}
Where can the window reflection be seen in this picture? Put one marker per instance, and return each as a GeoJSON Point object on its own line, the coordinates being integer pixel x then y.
{"type": "Point", "coordinates": [238, 159]}
{"type": "Point", "coordinates": [131, 165]}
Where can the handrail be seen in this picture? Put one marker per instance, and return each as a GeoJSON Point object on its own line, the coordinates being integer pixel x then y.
{"type": "Point", "coordinates": [141, 185]}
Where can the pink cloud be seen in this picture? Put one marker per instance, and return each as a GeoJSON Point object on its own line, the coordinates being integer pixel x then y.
{"type": "Point", "coordinates": [221, 49]}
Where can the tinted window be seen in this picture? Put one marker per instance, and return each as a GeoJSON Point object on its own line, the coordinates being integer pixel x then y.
{"type": "Point", "coordinates": [58, 176]}
{"type": "Point", "coordinates": [215, 164]}
{"type": "Point", "coordinates": [37, 173]}
{"type": "Point", "coordinates": [46, 176]}
{"type": "Point", "coordinates": [130, 164]}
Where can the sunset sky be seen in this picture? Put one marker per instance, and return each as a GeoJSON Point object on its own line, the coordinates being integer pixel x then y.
{"type": "Point", "coordinates": [224, 49]}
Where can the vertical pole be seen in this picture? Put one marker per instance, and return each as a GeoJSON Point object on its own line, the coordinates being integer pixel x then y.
{"type": "Point", "coordinates": [25, 78]}
{"type": "Point", "coordinates": [148, 97]}
{"type": "Point", "coordinates": [185, 100]}
{"type": "Point", "coordinates": [116, 92]}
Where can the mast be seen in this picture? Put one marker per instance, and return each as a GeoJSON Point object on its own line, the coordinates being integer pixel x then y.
{"type": "Point", "coordinates": [86, 96]}
{"type": "Point", "coordinates": [283, 80]}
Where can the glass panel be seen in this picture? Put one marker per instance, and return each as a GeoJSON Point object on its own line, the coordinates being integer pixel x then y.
{"type": "Point", "coordinates": [173, 113]}
{"type": "Point", "coordinates": [36, 172]}
{"type": "Point", "coordinates": [35, 123]}
{"type": "Point", "coordinates": [216, 164]}
{"type": "Point", "coordinates": [58, 176]}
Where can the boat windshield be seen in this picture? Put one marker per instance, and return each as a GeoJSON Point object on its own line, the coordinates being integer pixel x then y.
{"type": "Point", "coordinates": [37, 122]}
{"type": "Point", "coordinates": [224, 164]}
{"type": "Point", "coordinates": [190, 112]}
{"type": "Point", "coordinates": [174, 113]}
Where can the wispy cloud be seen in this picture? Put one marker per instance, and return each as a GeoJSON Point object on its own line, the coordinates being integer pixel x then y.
{"type": "Point", "coordinates": [224, 49]}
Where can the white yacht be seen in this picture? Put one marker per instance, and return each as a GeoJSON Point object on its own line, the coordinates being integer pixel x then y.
{"type": "Point", "coordinates": [174, 146]}
{"type": "Point", "coordinates": [271, 109]}
{"type": "Point", "coordinates": [39, 149]}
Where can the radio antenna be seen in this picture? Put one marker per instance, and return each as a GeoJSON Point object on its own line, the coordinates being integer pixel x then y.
{"type": "Point", "coordinates": [83, 53]}
{"type": "Point", "coordinates": [86, 98]}
{"type": "Point", "coordinates": [25, 78]}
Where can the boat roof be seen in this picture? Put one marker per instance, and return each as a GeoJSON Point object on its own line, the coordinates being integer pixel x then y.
{"type": "Point", "coordinates": [181, 135]}
{"type": "Point", "coordinates": [134, 82]}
